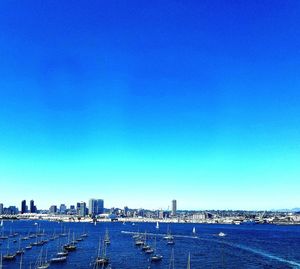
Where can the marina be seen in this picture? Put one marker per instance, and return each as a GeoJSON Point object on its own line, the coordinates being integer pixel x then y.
{"type": "Point", "coordinates": [143, 245]}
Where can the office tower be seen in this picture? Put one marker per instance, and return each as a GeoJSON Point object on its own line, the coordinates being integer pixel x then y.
{"type": "Point", "coordinates": [23, 207]}
{"type": "Point", "coordinates": [53, 209]}
{"type": "Point", "coordinates": [77, 208]}
{"type": "Point", "coordinates": [92, 207]}
{"type": "Point", "coordinates": [62, 209]}
{"type": "Point", "coordinates": [1, 209]}
{"type": "Point", "coordinates": [125, 210]}
{"type": "Point", "coordinates": [174, 207]}
{"type": "Point", "coordinates": [96, 207]}
{"type": "Point", "coordinates": [82, 209]}
{"type": "Point", "coordinates": [32, 207]}
{"type": "Point", "coordinates": [100, 206]}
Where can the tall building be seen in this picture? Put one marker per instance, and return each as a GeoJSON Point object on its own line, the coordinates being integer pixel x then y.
{"type": "Point", "coordinates": [32, 207]}
{"type": "Point", "coordinates": [174, 207]}
{"type": "Point", "coordinates": [53, 209]}
{"type": "Point", "coordinates": [96, 207]}
{"type": "Point", "coordinates": [1, 209]}
{"type": "Point", "coordinates": [62, 209]}
{"type": "Point", "coordinates": [82, 209]}
{"type": "Point", "coordinates": [23, 207]}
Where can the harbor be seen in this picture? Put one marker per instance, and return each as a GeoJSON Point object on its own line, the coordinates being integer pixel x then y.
{"type": "Point", "coordinates": [42, 244]}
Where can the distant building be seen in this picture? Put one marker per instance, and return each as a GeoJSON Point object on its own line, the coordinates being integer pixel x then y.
{"type": "Point", "coordinates": [72, 210]}
{"type": "Point", "coordinates": [125, 211]}
{"type": "Point", "coordinates": [11, 210]}
{"type": "Point", "coordinates": [199, 217]}
{"type": "Point", "coordinates": [160, 214]}
{"type": "Point", "coordinates": [174, 207]}
{"type": "Point", "coordinates": [62, 209]}
{"type": "Point", "coordinates": [53, 209]}
{"type": "Point", "coordinates": [82, 209]}
{"type": "Point", "coordinates": [77, 208]}
{"type": "Point", "coordinates": [32, 207]}
{"type": "Point", "coordinates": [1, 209]}
{"type": "Point", "coordinates": [96, 207]}
{"type": "Point", "coordinates": [23, 207]}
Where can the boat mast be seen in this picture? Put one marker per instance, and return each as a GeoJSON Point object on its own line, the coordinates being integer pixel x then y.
{"type": "Point", "coordinates": [189, 261]}
{"type": "Point", "coordinates": [172, 265]}
{"type": "Point", "coordinates": [21, 261]}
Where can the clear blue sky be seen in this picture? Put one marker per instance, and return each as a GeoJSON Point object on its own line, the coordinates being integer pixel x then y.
{"type": "Point", "coordinates": [142, 102]}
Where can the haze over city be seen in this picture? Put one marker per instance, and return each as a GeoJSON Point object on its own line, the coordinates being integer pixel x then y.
{"type": "Point", "coordinates": [140, 102]}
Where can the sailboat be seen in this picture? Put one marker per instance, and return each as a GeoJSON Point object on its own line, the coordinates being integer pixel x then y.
{"type": "Point", "coordinates": [194, 231]}
{"type": "Point", "coordinates": [145, 245]}
{"type": "Point", "coordinates": [70, 246]}
{"type": "Point", "coordinates": [106, 238]}
{"type": "Point", "coordinates": [189, 261]}
{"type": "Point", "coordinates": [9, 256]}
{"type": "Point", "coordinates": [84, 233]}
{"type": "Point", "coordinates": [169, 235]}
{"type": "Point", "coordinates": [42, 263]}
{"type": "Point", "coordinates": [61, 255]}
{"type": "Point", "coordinates": [172, 261]}
{"type": "Point", "coordinates": [155, 257]}
{"type": "Point", "coordinates": [157, 225]}
{"type": "Point", "coordinates": [20, 250]}
{"type": "Point", "coordinates": [102, 259]}
{"type": "Point", "coordinates": [3, 236]}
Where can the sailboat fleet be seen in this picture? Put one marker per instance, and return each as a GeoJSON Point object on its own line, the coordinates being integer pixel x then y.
{"type": "Point", "coordinates": [67, 242]}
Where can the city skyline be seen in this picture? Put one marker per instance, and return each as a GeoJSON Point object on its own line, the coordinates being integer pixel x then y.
{"type": "Point", "coordinates": [142, 102]}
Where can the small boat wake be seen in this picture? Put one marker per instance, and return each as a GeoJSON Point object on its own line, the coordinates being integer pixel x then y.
{"type": "Point", "coordinates": [160, 235]}
{"type": "Point", "coordinates": [262, 253]}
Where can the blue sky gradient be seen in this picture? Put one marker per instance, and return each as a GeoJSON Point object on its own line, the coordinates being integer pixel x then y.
{"type": "Point", "coordinates": [141, 102]}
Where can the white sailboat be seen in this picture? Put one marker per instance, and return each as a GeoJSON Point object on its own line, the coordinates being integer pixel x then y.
{"type": "Point", "coordinates": [194, 231]}
{"type": "Point", "coordinates": [157, 225]}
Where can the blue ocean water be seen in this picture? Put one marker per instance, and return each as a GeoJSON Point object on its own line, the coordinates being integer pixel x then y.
{"type": "Point", "coordinates": [244, 246]}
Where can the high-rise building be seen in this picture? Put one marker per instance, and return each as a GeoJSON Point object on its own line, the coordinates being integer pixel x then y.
{"type": "Point", "coordinates": [53, 209]}
{"type": "Point", "coordinates": [32, 207]}
{"type": "Point", "coordinates": [62, 209]}
{"type": "Point", "coordinates": [174, 207]}
{"type": "Point", "coordinates": [82, 209]}
{"type": "Point", "coordinates": [125, 210]}
{"type": "Point", "coordinates": [96, 206]}
{"type": "Point", "coordinates": [23, 207]}
{"type": "Point", "coordinates": [1, 209]}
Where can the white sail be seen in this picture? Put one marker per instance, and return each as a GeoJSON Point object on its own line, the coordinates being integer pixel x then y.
{"type": "Point", "coordinates": [157, 225]}
{"type": "Point", "coordinates": [194, 230]}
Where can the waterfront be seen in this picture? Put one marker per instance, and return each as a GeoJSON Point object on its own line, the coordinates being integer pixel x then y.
{"type": "Point", "coordinates": [244, 246]}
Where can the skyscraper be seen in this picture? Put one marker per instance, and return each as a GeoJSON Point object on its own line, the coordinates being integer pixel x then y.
{"type": "Point", "coordinates": [82, 209]}
{"type": "Point", "coordinates": [96, 206]}
{"type": "Point", "coordinates": [1, 209]}
{"type": "Point", "coordinates": [32, 207]}
{"type": "Point", "coordinates": [23, 207]}
{"type": "Point", "coordinates": [62, 209]}
{"type": "Point", "coordinates": [174, 207]}
{"type": "Point", "coordinates": [53, 209]}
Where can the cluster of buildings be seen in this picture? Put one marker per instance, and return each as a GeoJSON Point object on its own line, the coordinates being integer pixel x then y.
{"type": "Point", "coordinates": [94, 210]}
{"type": "Point", "coordinates": [95, 207]}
